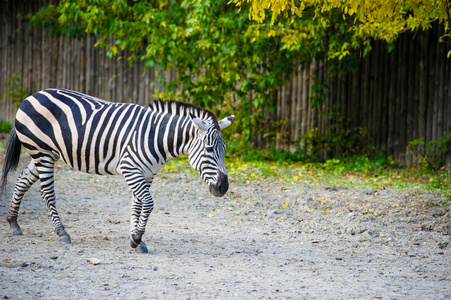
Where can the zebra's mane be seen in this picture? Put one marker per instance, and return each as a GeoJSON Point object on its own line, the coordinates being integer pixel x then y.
{"type": "Point", "coordinates": [183, 109]}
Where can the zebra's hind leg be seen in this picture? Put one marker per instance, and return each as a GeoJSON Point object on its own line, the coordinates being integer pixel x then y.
{"type": "Point", "coordinates": [25, 180]}
{"type": "Point", "coordinates": [45, 166]}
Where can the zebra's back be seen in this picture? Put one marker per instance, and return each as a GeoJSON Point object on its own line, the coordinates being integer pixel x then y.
{"type": "Point", "coordinates": [88, 133]}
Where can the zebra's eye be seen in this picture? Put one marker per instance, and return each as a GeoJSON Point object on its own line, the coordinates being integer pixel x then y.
{"type": "Point", "coordinates": [209, 148]}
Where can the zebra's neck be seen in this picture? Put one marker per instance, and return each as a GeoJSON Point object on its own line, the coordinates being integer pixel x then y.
{"type": "Point", "coordinates": [166, 136]}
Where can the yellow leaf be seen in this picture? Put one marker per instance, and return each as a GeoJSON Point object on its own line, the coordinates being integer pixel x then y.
{"type": "Point", "coordinates": [114, 50]}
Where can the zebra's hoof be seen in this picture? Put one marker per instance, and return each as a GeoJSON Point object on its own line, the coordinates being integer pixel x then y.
{"type": "Point", "coordinates": [142, 248]}
{"type": "Point", "coordinates": [133, 244]}
{"type": "Point", "coordinates": [15, 231]}
{"type": "Point", "coordinates": [135, 240]}
{"type": "Point", "coordinates": [65, 239]}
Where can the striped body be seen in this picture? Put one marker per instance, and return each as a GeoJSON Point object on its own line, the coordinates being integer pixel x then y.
{"type": "Point", "coordinates": [99, 137]}
{"type": "Point", "coordinates": [94, 136]}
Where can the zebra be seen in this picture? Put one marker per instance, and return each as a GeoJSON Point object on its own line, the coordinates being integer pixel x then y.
{"type": "Point", "coordinates": [101, 137]}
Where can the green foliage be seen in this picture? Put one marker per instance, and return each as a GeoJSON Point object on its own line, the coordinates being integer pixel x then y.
{"type": "Point", "coordinates": [273, 155]}
{"type": "Point", "coordinates": [318, 93]}
{"type": "Point", "coordinates": [340, 136]}
{"type": "Point", "coordinates": [429, 155]}
{"type": "Point", "coordinates": [377, 19]}
{"type": "Point", "coordinates": [441, 181]}
{"type": "Point", "coordinates": [15, 90]}
{"type": "Point", "coordinates": [221, 54]}
{"type": "Point", "coordinates": [5, 127]}
{"type": "Point", "coordinates": [361, 164]}
{"type": "Point", "coordinates": [217, 52]}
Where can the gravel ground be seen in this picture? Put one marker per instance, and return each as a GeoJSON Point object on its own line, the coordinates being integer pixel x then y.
{"type": "Point", "coordinates": [263, 240]}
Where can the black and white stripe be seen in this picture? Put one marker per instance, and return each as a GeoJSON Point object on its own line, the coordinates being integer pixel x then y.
{"type": "Point", "coordinates": [100, 137]}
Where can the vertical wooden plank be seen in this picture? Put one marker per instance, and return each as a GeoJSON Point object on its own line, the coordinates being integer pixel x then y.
{"type": "Point", "coordinates": [286, 127]}
{"type": "Point", "coordinates": [431, 132]}
{"type": "Point", "coordinates": [440, 75]}
{"type": "Point", "coordinates": [278, 116]}
{"type": "Point", "coordinates": [423, 39]}
{"type": "Point", "coordinates": [299, 80]}
{"type": "Point", "coordinates": [311, 110]}
{"type": "Point", "coordinates": [37, 60]}
{"type": "Point", "coordinates": [411, 111]}
{"type": "Point", "coordinates": [355, 96]}
{"type": "Point", "coordinates": [5, 42]}
{"type": "Point", "coordinates": [62, 64]}
{"type": "Point", "coordinates": [304, 127]}
{"type": "Point", "coordinates": [392, 99]}
{"type": "Point", "coordinates": [366, 81]}
{"type": "Point", "coordinates": [448, 105]}
{"type": "Point", "coordinates": [328, 95]}
{"type": "Point", "coordinates": [401, 106]}
{"type": "Point", "coordinates": [374, 82]}
{"type": "Point", "coordinates": [381, 127]}
{"type": "Point", "coordinates": [294, 117]}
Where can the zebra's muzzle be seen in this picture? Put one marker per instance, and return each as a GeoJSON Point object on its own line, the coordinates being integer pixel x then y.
{"type": "Point", "coordinates": [221, 186]}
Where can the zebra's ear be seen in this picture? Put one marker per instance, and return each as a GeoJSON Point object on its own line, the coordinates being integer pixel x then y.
{"type": "Point", "coordinates": [226, 122]}
{"type": "Point", "coordinates": [199, 122]}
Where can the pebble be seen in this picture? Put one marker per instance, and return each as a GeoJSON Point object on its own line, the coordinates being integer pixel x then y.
{"type": "Point", "coordinates": [427, 226]}
{"type": "Point", "coordinates": [93, 261]}
{"type": "Point", "coordinates": [443, 245]}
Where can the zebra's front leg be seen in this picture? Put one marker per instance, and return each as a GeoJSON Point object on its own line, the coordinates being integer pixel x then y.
{"type": "Point", "coordinates": [45, 169]}
{"type": "Point", "coordinates": [23, 183]}
{"type": "Point", "coordinates": [142, 206]}
{"type": "Point", "coordinates": [140, 214]}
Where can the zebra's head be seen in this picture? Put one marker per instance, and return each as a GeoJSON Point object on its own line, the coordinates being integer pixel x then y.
{"type": "Point", "coordinates": [206, 154]}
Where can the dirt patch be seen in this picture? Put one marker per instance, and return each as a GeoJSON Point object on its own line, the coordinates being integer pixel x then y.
{"type": "Point", "coordinates": [262, 240]}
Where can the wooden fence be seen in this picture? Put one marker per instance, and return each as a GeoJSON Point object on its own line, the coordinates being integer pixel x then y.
{"type": "Point", "coordinates": [398, 96]}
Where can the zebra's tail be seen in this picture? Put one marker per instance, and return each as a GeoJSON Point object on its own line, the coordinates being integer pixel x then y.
{"type": "Point", "coordinates": [11, 159]}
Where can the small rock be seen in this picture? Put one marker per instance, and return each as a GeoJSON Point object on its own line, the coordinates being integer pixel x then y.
{"type": "Point", "coordinates": [354, 231]}
{"type": "Point", "coordinates": [438, 211]}
{"type": "Point", "coordinates": [54, 257]}
{"type": "Point", "coordinates": [427, 227]}
{"type": "Point", "coordinates": [445, 229]}
{"type": "Point", "coordinates": [373, 233]}
{"type": "Point", "coordinates": [443, 245]}
{"type": "Point", "coordinates": [331, 188]}
{"type": "Point", "coordinates": [350, 231]}
{"type": "Point", "coordinates": [93, 261]}
{"type": "Point", "coordinates": [371, 192]}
